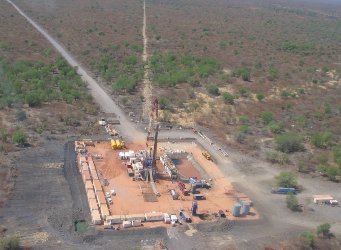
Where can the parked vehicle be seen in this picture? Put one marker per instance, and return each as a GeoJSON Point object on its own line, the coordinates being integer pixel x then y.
{"type": "Point", "coordinates": [185, 217]}
{"type": "Point", "coordinates": [102, 122]}
{"type": "Point", "coordinates": [199, 197]}
{"type": "Point", "coordinates": [107, 195]}
{"type": "Point", "coordinates": [207, 155]}
{"type": "Point", "coordinates": [109, 201]}
{"type": "Point", "coordinates": [283, 190]}
{"type": "Point", "coordinates": [174, 219]}
{"type": "Point", "coordinates": [112, 191]}
{"type": "Point", "coordinates": [174, 194]}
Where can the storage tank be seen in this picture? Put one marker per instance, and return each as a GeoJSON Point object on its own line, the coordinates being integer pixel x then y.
{"type": "Point", "coordinates": [194, 208]}
{"type": "Point", "coordinates": [236, 210]}
{"type": "Point", "coordinates": [245, 208]}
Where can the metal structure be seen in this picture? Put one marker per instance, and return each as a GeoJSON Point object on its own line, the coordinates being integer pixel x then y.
{"type": "Point", "coordinates": [153, 126]}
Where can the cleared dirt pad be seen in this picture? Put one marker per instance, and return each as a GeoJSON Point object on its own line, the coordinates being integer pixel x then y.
{"type": "Point", "coordinates": [130, 194]}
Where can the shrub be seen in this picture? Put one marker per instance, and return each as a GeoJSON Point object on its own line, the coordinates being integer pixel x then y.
{"type": "Point", "coordinates": [309, 236]}
{"type": "Point", "coordinates": [228, 97]}
{"type": "Point", "coordinates": [323, 229]}
{"type": "Point", "coordinates": [213, 89]}
{"type": "Point", "coordinates": [322, 139]}
{"type": "Point", "coordinates": [337, 154]}
{"type": "Point", "coordinates": [9, 243]}
{"type": "Point", "coordinates": [292, 202]}
{"type": "Point", "coordinates": [286, 179]}
{"type": "Point", "coordinates": [33, 99]}
{"type": "Point", "coordinates": [243, 92]}
{"type": "Point", "coordinates": [267, 117]}
{"type": "Point", "coordinates": [244, 73]}
{"type": "Point", "coordinates": [163, 103]}
{"type": "Point", "coordinates": [331, 172]}
{"type": "Point", "coordinates": [276, 127]}
{"type": "Point", "coordinates": [289, 143]}
{"type": "Point", "coordinates": [277, 157]}
{"type": "Point", "coordinates": [19, 137]}
{"type": "Point", "coordinates": [273, 73]}
{"type": "Point", "coordinates": [260, 96]}
{"type": "Point", "coordinates": [243, 119]}
{"type": "Point", "coordinates": [244, 129]}
{"type": "Point", "coordinates": [3, 135]}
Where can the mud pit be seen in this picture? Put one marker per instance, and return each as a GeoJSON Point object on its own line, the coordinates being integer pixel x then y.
{"type": "Point", "coordinates": [129, 198]}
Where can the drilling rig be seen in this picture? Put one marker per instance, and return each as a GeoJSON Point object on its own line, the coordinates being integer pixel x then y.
{"type": "Point", "coordinates": [153, 127]}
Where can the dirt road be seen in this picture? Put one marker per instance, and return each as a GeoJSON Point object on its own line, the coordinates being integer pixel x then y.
{"type": "Point", "coordinates": [251, 176]}
{"type": "Point", "coordinates": [101, 97]}
{"type": "Point", "coordinates": [147, 87]}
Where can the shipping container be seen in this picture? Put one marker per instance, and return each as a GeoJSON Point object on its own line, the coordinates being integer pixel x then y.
{"type": "Point", "coordinates": [136, 223]}
{"type": "Point", "coordinates": [100, 198]}
{"type": "Point", "coordinates": [167, 219]}
{"type": "Point", "coordinates": [95, 217]}
{"type": "Point", "coordinates": [97, 185]}
{"type": "Point", "coordinates": [132, 217]}
{"type": "Point", "coordinates": [126, 224]}
{"type": "Point", "coordinates": [91, 194]}
{"type": "Point", "coordinates": [104, 211]}
{"type": "Point", "coordinates": [184, 216]}
{"type": "Point", "coordinates": [88, 185]}
{"type": "Point", "coordinates": [154, 216]}
{"type": "Point", "coordinates": [115, 219]}
{"type": "Point", "coordinates": [94, 175]}
{"type": "Point", "coordinates": [86, 176]}
{"type": "Point", "coordinates": [93, 204]}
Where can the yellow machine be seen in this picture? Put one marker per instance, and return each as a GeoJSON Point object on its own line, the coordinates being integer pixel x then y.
{"type": "Point", "coordinates": [113, 144]}
{"type": "Point", "coordinates": [207, 155]}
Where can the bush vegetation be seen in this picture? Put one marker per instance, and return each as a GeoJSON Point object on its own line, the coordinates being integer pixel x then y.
{"type": "Point", "coordinates": [322, 139]}
{"type": "Point", "coordinates": [34, 83]}
{"type": "Point", "coordinates": [292, 202]}
{"type": "Point", "coordinates": [19, 137]}
{"type": "Point", "coordinates": [213, 89]}
{"type": "Point", "coordinates": [228, 98]}
{"type": "Point", "coordinates": [170, 70]}
{"type": "Point", "coordinates": [9, 243]}
{"type": "Point", "coordinates": [286, 179]}
{"type": "Point", "coordinates": [243, 72]}
{"type": "Point", "coordinates": [323, 229]}
{"type": "Point", "coordinates": [289, 142]}
{"type": "Point", "coordinates": [267, 117]}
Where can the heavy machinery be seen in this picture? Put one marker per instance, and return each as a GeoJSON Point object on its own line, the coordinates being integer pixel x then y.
{"type": "Point", "coordinates": [207, 155]}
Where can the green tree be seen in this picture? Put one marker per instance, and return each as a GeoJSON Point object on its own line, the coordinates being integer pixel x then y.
{"type": "Point", "coordinates": [289, 142]}
{"type": "Point", "coordinates": [228, 97]}
{"type": "Point", "coordinates": [9, 243]}
{"type": "Point", "coordinates": [286, 179]}
{"type": "Point", "coordinates": [323, 229]}
{"type": "Point", "coordinates": [19, 137]}
{"type": "Point", "coordinates": [267, 117]}
{"type": "Point", "coordinates": [292, 202]}
{"type": "Point", "coordinates": [322, 139]}
{"type": "Point", "coordinates": [310, 237]}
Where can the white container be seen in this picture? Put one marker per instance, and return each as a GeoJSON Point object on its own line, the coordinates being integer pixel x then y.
{"type": "Point", "coordinates": [167, 219]}
{"type": "Point", "coordinates": [126, 224]}
{"type": "Point", "coordinates": [136, 223]}
{"type": "Point", "coordinates": [155, 216]}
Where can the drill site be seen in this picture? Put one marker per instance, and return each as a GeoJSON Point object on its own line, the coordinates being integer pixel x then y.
{"type": "Point", "coordinates": [155, 183]}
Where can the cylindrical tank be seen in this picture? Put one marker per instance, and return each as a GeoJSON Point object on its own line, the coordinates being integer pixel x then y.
{"type": "Point", "coordinates": [194, 208]}
{"type": "Point", "coordinates": [236, 210]}
{"type": "Point", "coordinates": [245, 208]}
